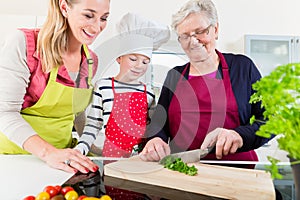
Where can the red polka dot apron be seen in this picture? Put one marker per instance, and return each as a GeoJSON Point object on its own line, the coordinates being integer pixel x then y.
{"type": "Point", "coordinates": [126, 124]}
{"type": "Point", "coordinates": [200, 105]}
{"type": "Point", "coordinates": [125, 128]}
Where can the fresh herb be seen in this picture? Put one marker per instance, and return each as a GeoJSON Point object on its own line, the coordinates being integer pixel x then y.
{"type": "Point", "coordinates": [279, 94]}
{"type": "Point", "coordinates": [273, 168]}
{"type": "Point", "coordinates": [178, 165]}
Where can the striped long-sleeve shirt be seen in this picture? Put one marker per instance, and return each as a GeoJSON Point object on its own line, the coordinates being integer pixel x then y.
{"type": "Point", "coordinates": [101, 107]}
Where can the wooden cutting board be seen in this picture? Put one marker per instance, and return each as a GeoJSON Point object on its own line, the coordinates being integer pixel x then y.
{"type": "Point", "coordinates": [211, 180]}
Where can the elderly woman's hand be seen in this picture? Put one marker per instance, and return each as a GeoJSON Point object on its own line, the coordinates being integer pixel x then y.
{"type": "Point", "coordinates": [226, 141]}
{"type": "Point", "coordinates": [155, 150]}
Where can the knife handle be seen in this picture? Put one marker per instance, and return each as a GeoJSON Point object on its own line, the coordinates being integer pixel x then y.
{"type": "Point", "coordinates": [211, 149]}
{"type": "Point", "coordinates": [207, 151]}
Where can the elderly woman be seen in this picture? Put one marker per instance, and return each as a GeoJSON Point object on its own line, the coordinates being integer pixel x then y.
{"type": "Point", "coordinates": [206, 101]}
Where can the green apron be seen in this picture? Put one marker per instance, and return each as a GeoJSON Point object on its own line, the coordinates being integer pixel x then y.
{"type": "Point", "coordinates": [52, 116]}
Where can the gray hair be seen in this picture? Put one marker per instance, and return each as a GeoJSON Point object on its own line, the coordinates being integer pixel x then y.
{"type": "Point", "coordinates": [196, 6]}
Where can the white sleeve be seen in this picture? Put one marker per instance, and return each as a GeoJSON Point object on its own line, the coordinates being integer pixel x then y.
{"type": "Point", "coordinates": [14, 79]}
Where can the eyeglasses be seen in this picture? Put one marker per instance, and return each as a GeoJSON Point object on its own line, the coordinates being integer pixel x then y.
{"type": "Point", "coordinates": [185, 38]}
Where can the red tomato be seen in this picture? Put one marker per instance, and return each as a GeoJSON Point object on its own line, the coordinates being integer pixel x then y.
{"type": "Point", "coordinates": [58, 188]}
{"type": "Point", "coordinates": [81, 197]}
{"type": "Point", "coordinates": [43, 196]}
{"type": "Point", "coordinates": [51, 190]}
{"type": "Point", "coordinates": [66, 189]}
{"type": "Point", "coordinates": [29, 198]}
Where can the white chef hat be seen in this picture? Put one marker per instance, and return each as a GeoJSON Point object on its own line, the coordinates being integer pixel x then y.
{"type": "Point", "coordinates": [140, 35]}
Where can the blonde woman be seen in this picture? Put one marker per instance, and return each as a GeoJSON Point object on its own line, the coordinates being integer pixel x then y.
{"type": "Point", "coordinates": [46, 80]}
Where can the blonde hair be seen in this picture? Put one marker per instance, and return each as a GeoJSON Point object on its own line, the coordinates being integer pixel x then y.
{"type": "Point", "coordinates": [196, 6]}
{"type": "Point", "coordinates": [52, 39]}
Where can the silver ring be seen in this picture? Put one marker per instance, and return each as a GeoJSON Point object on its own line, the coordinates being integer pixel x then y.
{"type": "Point", "coordinates": [67, 162]}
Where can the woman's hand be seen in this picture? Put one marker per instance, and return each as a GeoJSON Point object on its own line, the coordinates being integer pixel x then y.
{"type": "Point", "coordinates": [69, 160]}
{"type": "Point", "coordinates": [226, 141]}
{"type": "Point", "coordinates": [155, 150]}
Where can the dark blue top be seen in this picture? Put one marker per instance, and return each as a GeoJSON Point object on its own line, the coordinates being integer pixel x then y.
{"type": "Point", "coordinates": [243, 73]}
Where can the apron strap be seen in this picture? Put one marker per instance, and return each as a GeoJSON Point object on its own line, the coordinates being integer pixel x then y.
{"type": "Point", "coordinates": [113, 85]}
{"type": "Point", "coordinates": [222, 60]}
{"type": "Point", "coordinates": [90, 63]}
{"type": "Point", "coordinates": [53, 74]}
{"type": "Point", "coordinates": [182, 74]}
{"type": "Point", "coordinates": [145, 88]}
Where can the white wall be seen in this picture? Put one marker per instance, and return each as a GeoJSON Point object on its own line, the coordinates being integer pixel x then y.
{"type": "Point", "coordinates": [270, 17]}
{"type": "Point", "coordinates": [236, 17]}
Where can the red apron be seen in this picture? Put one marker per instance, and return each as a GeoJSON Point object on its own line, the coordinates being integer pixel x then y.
{"type": "Point", "coordinates": [124, 129]}
{"type": "Point", "coordinates": [200, 105]}
{"type": "Point", "coordinates": [126, 124]}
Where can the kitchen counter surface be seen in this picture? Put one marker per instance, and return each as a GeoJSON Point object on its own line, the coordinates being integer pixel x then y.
{"type": "Point", "coordinates": [23, 175]}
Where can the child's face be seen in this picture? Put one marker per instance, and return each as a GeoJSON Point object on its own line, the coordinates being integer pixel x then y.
{"type": "Point", "coordinates": [132, 66]}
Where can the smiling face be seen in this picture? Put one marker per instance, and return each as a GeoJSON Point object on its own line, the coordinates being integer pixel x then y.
{"type": "Point", "coordinates": [86, 19]}
{"type": "Point", "coordinates": [132, 67]}
{"type": "Point", "coordinates": [199, 36]}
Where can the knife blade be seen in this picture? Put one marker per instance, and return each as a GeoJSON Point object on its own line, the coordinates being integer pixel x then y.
{"type": "Point", "coordinates": [107, 158]}
{"type": "Point", "coordinates": [187, 156]}
{"type": "Point", "coordinates": [101, 158]}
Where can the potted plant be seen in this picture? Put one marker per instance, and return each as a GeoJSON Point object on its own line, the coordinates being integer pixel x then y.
{"type": "Point", "coordinates": [279, 94]}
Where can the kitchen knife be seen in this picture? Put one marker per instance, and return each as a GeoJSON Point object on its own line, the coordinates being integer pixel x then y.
{"type": "Point", "coordinates": [187, 156]}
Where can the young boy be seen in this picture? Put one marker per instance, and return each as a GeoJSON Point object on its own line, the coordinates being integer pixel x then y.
{"type": "Point", "coordinates": [120, 104]}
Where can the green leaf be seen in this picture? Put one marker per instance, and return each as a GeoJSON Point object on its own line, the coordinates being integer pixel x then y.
{"type": "Point", "coordinates": [273, 168]}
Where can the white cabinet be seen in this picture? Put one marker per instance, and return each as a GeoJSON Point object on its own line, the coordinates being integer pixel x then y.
{"type": "Point", "coordinates": [268, 51]}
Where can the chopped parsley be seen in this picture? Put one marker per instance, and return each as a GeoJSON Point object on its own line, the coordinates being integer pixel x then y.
{"type": "Point", "coordinates": [178, 165]}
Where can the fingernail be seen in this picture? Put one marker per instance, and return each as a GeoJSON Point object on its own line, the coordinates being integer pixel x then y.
{"type": "Point", "coordinates": [95, 168]}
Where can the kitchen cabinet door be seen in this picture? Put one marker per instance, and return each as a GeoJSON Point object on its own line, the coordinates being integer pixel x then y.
{"type": "Point", "coordinates": [270, 51]}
